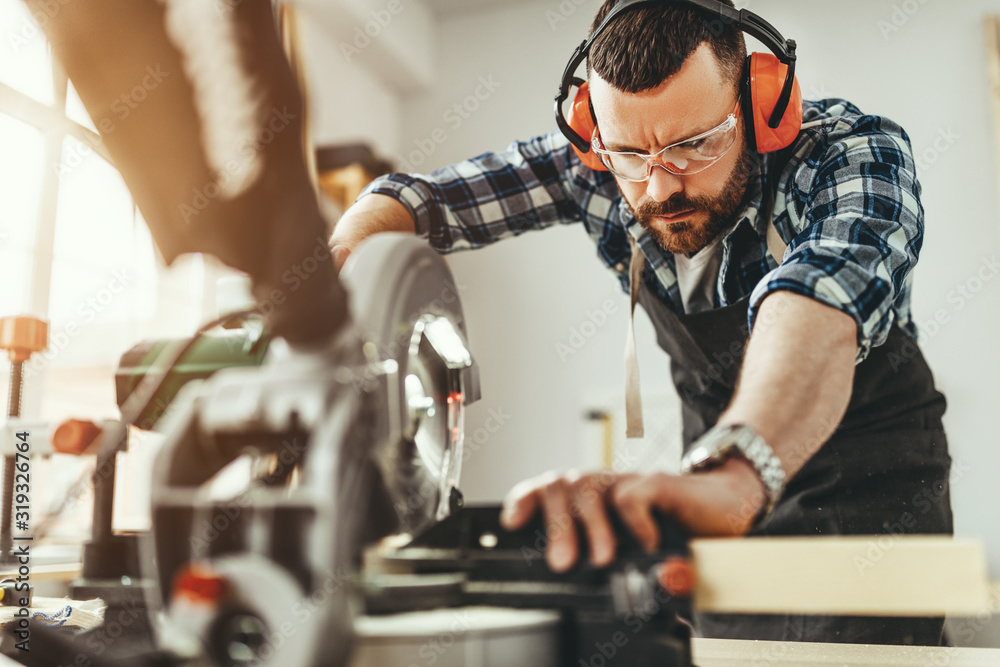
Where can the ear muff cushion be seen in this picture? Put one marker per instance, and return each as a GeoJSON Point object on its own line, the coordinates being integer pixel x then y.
{"type": "Point", "coordinates": [582, 121]}
{"type": "Point", "coordinates": [766, 79]}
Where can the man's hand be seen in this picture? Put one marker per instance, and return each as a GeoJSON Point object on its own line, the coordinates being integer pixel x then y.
{"type": "Point", "coordinates": [370, 215]}
{"type": "Point", "coordinates": [719, 502]}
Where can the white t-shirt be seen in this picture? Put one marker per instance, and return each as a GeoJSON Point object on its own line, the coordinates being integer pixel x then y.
{"type": "Point", "coordinates": [697, 276]}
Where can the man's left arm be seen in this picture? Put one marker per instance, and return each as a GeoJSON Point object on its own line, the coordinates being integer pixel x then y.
{"type": "Point", "coordinates": [831, 300]}
{"type": "Point", "coordinates": [796, 381]}
{"type": "Point", "coordinates": [813, 318]}
{"type": "Point", "coordinates": [857, 237]}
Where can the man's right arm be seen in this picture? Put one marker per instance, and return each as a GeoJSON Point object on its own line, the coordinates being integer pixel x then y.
{"type": "Point", "coordinates": [532, 185]}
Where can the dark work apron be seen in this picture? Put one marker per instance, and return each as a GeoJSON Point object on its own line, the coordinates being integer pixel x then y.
{"type": "Point", "coordinates": [884, 472]}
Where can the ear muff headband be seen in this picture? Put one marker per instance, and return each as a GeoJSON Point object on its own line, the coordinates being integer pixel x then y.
{"type": "Point", "coordinates": [771, 123]}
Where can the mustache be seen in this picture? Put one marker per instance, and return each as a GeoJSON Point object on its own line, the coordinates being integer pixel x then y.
{"type": "Point", "coordinates": [670, 207]}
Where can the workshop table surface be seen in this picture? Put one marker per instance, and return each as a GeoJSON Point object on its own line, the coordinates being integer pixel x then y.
{"type": "Point", "coordinates": [491, 637]}
{"type": "Point", "coordinates": [740, 653]}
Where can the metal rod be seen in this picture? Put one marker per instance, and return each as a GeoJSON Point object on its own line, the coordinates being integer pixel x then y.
{"type": "Point", "coordinates": [13, 410]}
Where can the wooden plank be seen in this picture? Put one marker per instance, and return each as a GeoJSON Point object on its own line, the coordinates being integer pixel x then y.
{"type": "Point", "coordinates": [50, 572]}
{"type": "Point", "coordinates": [889, 575]}
{"type": "Point", "coordinates": [992, 26]}
{"type": "Point", "coordinates": [738, 653]}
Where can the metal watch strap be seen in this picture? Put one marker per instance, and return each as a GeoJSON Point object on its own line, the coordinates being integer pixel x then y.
{"type": "Point", "coordinates": [768, 467]}
{"type": "Point", "coordinates": [754, 449]}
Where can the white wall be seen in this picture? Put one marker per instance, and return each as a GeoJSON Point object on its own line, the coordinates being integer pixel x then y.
{"type": "Point", "coordinates": [347, 102]}
{"type": "Point", "coordinates": [524, 296]}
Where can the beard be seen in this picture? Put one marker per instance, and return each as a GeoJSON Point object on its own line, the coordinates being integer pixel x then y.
{"type": "Point", "coordinates": [688, 237]}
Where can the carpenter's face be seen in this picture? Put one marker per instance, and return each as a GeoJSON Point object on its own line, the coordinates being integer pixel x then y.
{"type": "Point", "coordinates": [683, 213]}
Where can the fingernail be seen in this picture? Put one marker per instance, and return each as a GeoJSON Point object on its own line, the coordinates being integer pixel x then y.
{"type": "Point", "coordinates": [602, 554]}
{"type": "Point", "coordinates": [561, 558]}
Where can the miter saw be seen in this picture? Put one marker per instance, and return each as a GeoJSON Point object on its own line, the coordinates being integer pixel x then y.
{"type": "Point", "coordinates": [372, 428]}
{"type": "Point", "coordinates": [351, 526]}
{"type": "Point", "coordinates": [272, 574]}
{"type": "Point", "coordinates": [351, 428]}
{"type": "Point", "coordinates": [346, 504]}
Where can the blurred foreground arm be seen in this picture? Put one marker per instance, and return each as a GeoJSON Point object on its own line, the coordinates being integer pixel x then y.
{"type": "Point", "coordinates": [213, 152]}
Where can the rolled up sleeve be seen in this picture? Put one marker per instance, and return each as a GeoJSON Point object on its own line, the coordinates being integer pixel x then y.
{"type": "Point", "coordinates": [497, 195]}
{"type": "Point", "coordinates": [863, 228]}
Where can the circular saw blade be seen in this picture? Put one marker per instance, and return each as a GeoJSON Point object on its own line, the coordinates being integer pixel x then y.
{"type": "Point", "coordinates": [406, 302]}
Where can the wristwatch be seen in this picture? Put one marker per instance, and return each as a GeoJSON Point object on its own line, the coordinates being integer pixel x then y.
{"type": "Point", "coordinates": [722, 441]}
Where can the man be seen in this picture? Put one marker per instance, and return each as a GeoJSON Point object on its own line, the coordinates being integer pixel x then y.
{"type": "Point", "coordinates": [834, 426]}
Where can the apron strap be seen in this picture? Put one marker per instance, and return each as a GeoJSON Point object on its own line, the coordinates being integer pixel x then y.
{"type": "Point", "coordinates": [775, 245]}
{"type": "Point", "coordinates": [633, 396]}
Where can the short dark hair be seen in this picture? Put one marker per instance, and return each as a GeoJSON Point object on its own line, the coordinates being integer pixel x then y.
{"type": "Point", "coordinates": [646, 45]}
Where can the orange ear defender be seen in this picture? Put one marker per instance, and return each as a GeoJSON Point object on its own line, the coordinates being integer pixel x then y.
{"type": "Point", "coordinates": [581, 119]}
{"type": "Point", "coordinates": [764, 78]}
{"type": "Point", "coordinates": [770, 93]}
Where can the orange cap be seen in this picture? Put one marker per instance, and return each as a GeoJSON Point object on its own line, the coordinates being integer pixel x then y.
{"type": "Point", "coordinates": [198, 583]}
{"type": "Point", "coordinates": [23, 335]}
{"type": "Point", "coordinates": [75, 436]}
{"type": "Point", "coordinates": [677, 576]}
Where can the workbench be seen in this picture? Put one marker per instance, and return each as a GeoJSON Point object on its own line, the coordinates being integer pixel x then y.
{"type": "Point", "coordinates": [492, 637]}
{"type": "Point", "coordinates": [739, 653]}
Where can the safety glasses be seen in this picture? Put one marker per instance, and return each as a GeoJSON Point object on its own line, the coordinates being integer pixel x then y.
{"type": "Point", "coordinates": [683, 158]}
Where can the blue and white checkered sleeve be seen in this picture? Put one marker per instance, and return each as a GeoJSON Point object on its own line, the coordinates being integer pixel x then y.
{"type": "Point", "coordinates": [490, 197]}
{"type": "Point", "coordinates": [861, 228]}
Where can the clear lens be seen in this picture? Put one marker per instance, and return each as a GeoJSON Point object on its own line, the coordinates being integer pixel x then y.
{"type": "Point", "coordinates": [630, 166]}
{"type": "Point", "coordinates": [688, 157]}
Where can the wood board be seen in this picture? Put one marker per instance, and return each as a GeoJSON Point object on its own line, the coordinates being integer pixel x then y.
{"type": "Point", "coordinates": [889, 575]}
{"type": "Point", "coordinates": [992, 28]}
{"type": "Point", "coordinates": [742, 653]}
{"type": "Point", "coordinates": [48, 572]}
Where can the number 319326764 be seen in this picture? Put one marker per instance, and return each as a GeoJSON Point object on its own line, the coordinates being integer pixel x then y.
{"type": "Point", "coordinates": [22, 481]}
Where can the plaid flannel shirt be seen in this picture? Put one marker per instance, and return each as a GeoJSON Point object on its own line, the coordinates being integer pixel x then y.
{"type": "Point", "coordinates": [847, 205]}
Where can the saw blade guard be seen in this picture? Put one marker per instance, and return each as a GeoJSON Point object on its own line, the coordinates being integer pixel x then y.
{"type": "Point", "coordinates": [406, 303]}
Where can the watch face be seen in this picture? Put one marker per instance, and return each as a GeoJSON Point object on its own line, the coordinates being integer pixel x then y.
{"type": "Point", "coordinates": [698, 456]}
{"type": "Point", "coordinates": [713, 447]}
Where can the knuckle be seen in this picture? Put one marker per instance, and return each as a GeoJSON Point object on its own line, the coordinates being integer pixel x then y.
{"type": "Point", "coordinates": [600, 482]}
{"type": "Point", "coordinates": [520, 492]}
{"type": "Point", "coordinates": [558, 487]}
{"type": "Point", "coordinates": [546, 478]}
{"type": "Point", "coordinates": [625, 498]}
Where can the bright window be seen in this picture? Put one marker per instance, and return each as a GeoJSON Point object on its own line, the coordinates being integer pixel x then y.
{"type": "Point", "coordinates": [75, 252]}
{"type": "Point", "coordinates": [25, 60]}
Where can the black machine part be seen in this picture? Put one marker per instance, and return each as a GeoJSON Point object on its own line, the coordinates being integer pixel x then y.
{"type": "Point", "coordinates": [469, 559]}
